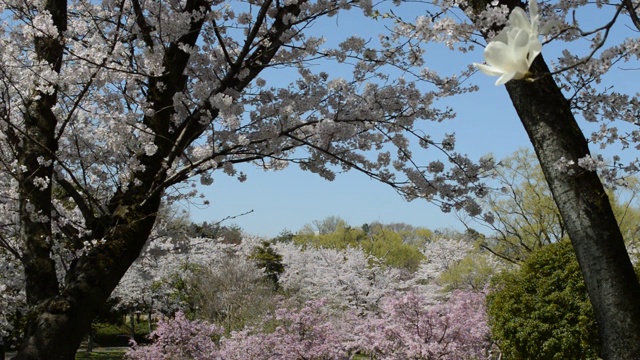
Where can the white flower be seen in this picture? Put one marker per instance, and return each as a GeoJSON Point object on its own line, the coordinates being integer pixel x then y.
{"type": "Point", "coordinates": [512, 51]}
{"type": "Point", "coordinates": [150, 149]}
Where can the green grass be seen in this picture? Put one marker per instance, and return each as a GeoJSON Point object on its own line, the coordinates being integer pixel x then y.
{"type": "Point", "coordinates": [96, 354]}
{"type": "Point", "coordinates": [101, 354]}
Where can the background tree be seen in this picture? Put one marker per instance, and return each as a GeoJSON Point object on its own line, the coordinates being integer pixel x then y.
{"type": "Point", "coordinates": [520, 216]}
{"type": "Point", "coordinates": [396, 248]}
{"type": "Point", "coordinates": [408, 328]}
{"type": "Point", "coordinates": [269, 261]}
{"type": "Point", "coordinates": [12, 300]}
{"type": "Point", "coordinates": [347, 278]}
{"type": "Point", "coordinates": [542, 310]}
{"type": "Point", "coordinates": [405, 326]}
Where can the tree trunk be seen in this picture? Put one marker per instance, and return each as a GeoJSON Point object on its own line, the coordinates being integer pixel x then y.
{"type": "Point", "coordinates": [611, 282]}
{"type": "Point", "coordinates": [90, 341]}
{"type": "Point", "coordinates": [59, 324]}
{"type": "Point", "coordinates": [133, 324]}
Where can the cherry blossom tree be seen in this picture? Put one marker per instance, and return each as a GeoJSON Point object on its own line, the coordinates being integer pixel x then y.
{"type": "Point", "coordinates": [409, 328]}
{"type": "Point", "coordinates": [344, 278]}
{"type": "Point", "coordinates": [179, 338]}
{"type": "Point", "coordinates": [406, 327]}
{"type": "Point", "coordinates": [307, 332]}
{"type": "Point", "coordinates": [204, 278]}
{"type": "Point", "coordinates": [110, 107]}
{"type": "Point", "coordinates": [12, 298]}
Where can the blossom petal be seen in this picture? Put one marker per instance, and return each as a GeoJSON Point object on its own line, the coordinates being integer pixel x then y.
{"type": "Point", "coordinates": [488, 70]}
{"type": "Point", "coordinates": [502, 36]}
{"type": "Point", "coordinates": [505, 78]}
{"type": "Point", "coordinates": [512, 51]}
{"type": "Point", "coordinates": [548, 26]}
{"type": "Point", "coordinates": [535, 48]}
{"type": "Point", "coordinates": [533, 9]}
{"type": "Point", "coordinates": [519, 19]}
{"type": "Point", "coordinates": [519, 45]}
{"type": "Point", "coordinates": [501, 56]}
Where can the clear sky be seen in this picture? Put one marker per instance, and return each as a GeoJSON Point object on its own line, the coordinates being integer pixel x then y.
{"type": "Point", "coordinates": [288, 199]}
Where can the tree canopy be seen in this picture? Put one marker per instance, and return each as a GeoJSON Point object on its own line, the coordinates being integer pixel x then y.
{"type": "Point", "coordinates": [542, 311]}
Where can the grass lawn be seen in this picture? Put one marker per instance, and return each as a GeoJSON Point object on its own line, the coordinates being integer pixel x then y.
{"type": "Point", "coordinates": [97, 354]}
{"type": "Point", "coordinates": [101, 354]}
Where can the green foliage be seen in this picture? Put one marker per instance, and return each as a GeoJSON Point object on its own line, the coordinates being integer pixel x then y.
{"type": "Point", "coordinates": [268, 259]}
{"type": "Point", "coordinates": [182, 288]}
{"type": "Point", "coordinates": [525, 217]}
{"type": "Point", "coordinates": [395, 245]}
{"type": "Point", "coordinates": [541, 311]}
{"type": "Point", "coordinates": [473, 272]}
{"type": "Point", "coordinates": [284, 236]}
{"type": "Point", "coordinates": [110, 334]}
{"type": "Point", "coordinates": [624, 202]}
{"type": "Point", "coordinates": [231, 295]}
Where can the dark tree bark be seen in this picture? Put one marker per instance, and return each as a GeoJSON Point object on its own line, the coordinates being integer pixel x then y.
{"type": "Point", "coordinates": [611, 282]}
{"type": "Point", "coordinates": [59, 324]}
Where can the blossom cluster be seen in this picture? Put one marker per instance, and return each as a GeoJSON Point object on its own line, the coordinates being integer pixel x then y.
{"type": "Point", "coordinates": [405, 327]}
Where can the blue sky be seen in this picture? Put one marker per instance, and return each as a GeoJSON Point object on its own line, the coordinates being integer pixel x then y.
{"type": "Point", "coordinates": [290, 198]}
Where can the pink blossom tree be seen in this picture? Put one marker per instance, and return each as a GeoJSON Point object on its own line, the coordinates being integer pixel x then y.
{"type": "Point", "coordinates": [308, 332]}
{"type": "Point", "coordinates": [406, 327]}
{"type": "Point", "coordinates": [179, 339]}
{"type": "Point", "coordinates": [305, 332]}
{"type": "Point", "coordinates": [409, 328]}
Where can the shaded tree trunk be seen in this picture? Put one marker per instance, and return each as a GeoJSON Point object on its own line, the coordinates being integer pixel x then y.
{"type": "Point", "coordinates": [59, 324]}
{"type": "Point", "coordinates": [132, 323]}
{"type": "Point", "coordinates": [611, 282]}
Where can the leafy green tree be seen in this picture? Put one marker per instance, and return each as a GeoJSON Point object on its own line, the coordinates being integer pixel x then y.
{"type": "Point", "coordinates": [521, 215]}
{"type": "Point", "coordinates": [383, 242]}
{"type": "Point", "coordinates": [542, 311]}
{"type": "Point", "coordinates": [474, 272]}
{"type": "Point", "coordinates": [266, 257]}
{"type": "Point", "coordinates": [231, 293]}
